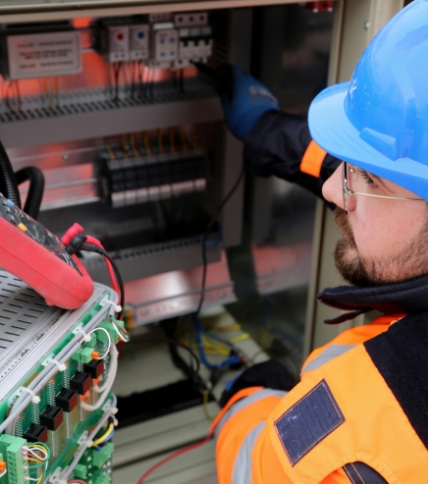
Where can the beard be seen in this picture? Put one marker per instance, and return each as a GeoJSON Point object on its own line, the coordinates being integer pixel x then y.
{"type": "Point", "coordinates": [409, 263]}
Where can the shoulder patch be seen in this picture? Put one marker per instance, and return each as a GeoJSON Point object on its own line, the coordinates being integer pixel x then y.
{"type": "Point", "coordinates": [308, 422]}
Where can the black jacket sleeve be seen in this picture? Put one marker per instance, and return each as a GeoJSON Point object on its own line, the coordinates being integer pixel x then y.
{"type": "Point", "coordinates": [276, 146]}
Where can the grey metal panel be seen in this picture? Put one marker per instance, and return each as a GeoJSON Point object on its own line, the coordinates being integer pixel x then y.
{"type": "Point", "coordinates": [263, 191]}
{"type": "Point", "coordinates": [24, 317]}
{"type": "Point", "coordinates": [101, 123]}
{"type": "Point", "coordinates": [14, 11]}
{"type": "Point", "coordinates": [135, 264]}
{"type": "Point", "coordinates": [239, 53]}
{"type": "Point", "coordinates": [178, 292]}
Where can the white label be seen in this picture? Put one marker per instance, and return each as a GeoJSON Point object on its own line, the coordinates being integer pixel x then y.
{"type": "Point", "coordinates": [166, 45]}
{"type": "Point", "coordinates": [139, 36]}
{"type": "Point", "coordinates": [43, 55]}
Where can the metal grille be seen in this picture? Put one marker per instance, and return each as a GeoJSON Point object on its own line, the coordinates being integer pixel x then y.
{"type": "Point", "coordinates": [92, 100]}
{"type": "Point", "coordinates": [136, 253]}
{"type": "Point", "coordinates": [24, 318]}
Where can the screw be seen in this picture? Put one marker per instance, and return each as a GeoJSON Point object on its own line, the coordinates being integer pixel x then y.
{"type": "Point", "coordinates": [366, 25]}
{"type": "Point", "coordinates": [65, 157]}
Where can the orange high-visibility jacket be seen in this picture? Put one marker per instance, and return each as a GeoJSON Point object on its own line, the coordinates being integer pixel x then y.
{"type": "Point", "coordinates": [345, 422]}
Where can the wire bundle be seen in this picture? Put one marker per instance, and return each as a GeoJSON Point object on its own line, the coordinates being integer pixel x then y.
{"type": "Point", "coordinates": [105, 437]}
{"type": "Point", "coordinates": [39, 454]}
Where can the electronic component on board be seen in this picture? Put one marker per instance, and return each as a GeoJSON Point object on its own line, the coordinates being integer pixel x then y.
{"type": "Point", "coordinates": [66, 399]}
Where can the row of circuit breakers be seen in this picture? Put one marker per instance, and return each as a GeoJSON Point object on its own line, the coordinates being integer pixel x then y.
{"type": "Point", "coordinates": [170, 41]}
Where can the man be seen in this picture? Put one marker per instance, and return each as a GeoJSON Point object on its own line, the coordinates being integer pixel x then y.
{"type": "Point", "coordinates": [360, 412]}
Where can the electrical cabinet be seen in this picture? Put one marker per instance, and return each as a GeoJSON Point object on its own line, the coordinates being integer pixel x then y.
{"type": "Point", "coordinates": [134, 147]}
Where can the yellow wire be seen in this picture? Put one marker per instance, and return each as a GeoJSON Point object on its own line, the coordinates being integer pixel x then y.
{"type": "Point", "coordinates": [172, 139]}
{"type": "Point", "coordinates": [206, 410]}
{"type": "Point", "coordinates": [160, 141]}
{"type": "Point", "coordinates": [183, 138]}
{"type": "Point", "coordinates": [147, 144]}
{"type": "Point", "coordinates": [42, 475]}
{"type": "Point", "coordinates": [48, 92]}
{"type": "Point", "coordinates": [97, 442]}
{"type": "Point", "coordinates": [134, 148]}
{"type": "Point", "coordinates": [124, 147]}
{"type": "Point", "coordinates": [194, 137]}
{"type": "Point", "coordinates": [231, 327]}
{"type": "Point", "coordinates": [240, 337]}
{"type": "Point", "coordinates": [57, 88]}
{"type": "Point", "coordinates": [110, 151]}
{"type": "Point", "coordinates": [40, 447]}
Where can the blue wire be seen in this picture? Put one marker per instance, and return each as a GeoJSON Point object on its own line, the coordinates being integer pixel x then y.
{"type": "Point", "coordinates": [217, 338]}
{"type": "Point", "coordinates": [229, 361]}
{"type": "Point", "coordinates": [211, 245]}
{"type": "Point", "coordinates": [105, 441]}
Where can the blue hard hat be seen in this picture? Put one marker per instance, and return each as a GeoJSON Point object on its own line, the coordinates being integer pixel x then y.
{"type": "Point", "coordinates": [379, 120]}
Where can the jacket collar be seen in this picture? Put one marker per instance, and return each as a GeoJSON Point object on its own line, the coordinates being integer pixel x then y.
{"type": "Point", "coordinates": [401, 297]}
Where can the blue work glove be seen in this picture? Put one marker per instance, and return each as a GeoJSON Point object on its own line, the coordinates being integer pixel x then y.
{"type": "Point", "coordinates": [250, 99]}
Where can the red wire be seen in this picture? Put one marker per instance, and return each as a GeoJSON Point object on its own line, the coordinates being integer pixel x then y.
{"type": "Point", "coordinates": [94, 241]}
{"type": "Point", "coordinates": [74, 230]}
{"type": "Point", "coordinates": [173, 456]}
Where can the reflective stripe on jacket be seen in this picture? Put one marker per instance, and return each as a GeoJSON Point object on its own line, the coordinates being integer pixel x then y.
{"type": "Point", "coordinates": [342, 424]}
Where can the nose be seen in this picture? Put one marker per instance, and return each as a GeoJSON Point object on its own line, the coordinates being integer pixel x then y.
{"type": "Point", "coordinates": [332, 189]}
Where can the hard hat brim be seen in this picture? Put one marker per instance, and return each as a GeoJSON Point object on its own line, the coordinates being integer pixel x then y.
{"type": "Point", "coordinates": [332, 130]}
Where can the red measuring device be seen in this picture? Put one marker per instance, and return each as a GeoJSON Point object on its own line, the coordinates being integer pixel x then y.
{"type": "Point", "coordinates": [39, 258]}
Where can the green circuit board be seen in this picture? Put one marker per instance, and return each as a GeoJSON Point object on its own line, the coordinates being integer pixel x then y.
{"type": "Point", "coordinates": [70, 436]}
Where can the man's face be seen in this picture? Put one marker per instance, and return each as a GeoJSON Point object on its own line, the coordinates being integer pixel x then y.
{"type": "Point", "coordinates": [384, 240]}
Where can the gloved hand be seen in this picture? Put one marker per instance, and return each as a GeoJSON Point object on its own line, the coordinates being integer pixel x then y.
{"type": "Point", "coordinates": [269, 374]}
{"type": "Point", "coordinates": [249, 100]}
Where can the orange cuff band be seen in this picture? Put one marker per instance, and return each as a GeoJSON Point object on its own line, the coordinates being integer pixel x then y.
{"type": "Point", "coordinates": [312, 160]}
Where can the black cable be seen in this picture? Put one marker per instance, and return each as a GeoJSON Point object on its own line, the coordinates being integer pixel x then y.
{"type": "Point", "coordinates": [116, 71]}
{"type": "Point", "coordinates": [132, 79]}
{"type": "Point", "coordinates": [99, 250]}
{"type": "Point", "coordinates": [181, 81]}
{"type": "Point", "coordinates": [175, 343]}
{"type": "Point", "coordinates": [204, 239]}
{"type": "Point", "coordinates": [35, 191]}
{"type": "Point", "coordinates": [169, 327]}
{"type": "Point", "coordinates": [18, 95]}
{"type": "Point", "coordinates": [8, 183]}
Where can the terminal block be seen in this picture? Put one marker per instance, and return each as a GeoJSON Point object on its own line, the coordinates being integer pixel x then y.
{"type": "Point", "coordinates": [16, 463]}
{"type": "Point", "coordinates": [153, 177]}
{"type": "Point", "coordinates": [84, 355]}
{"type": "Point", "coordinates": [100, 457]}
